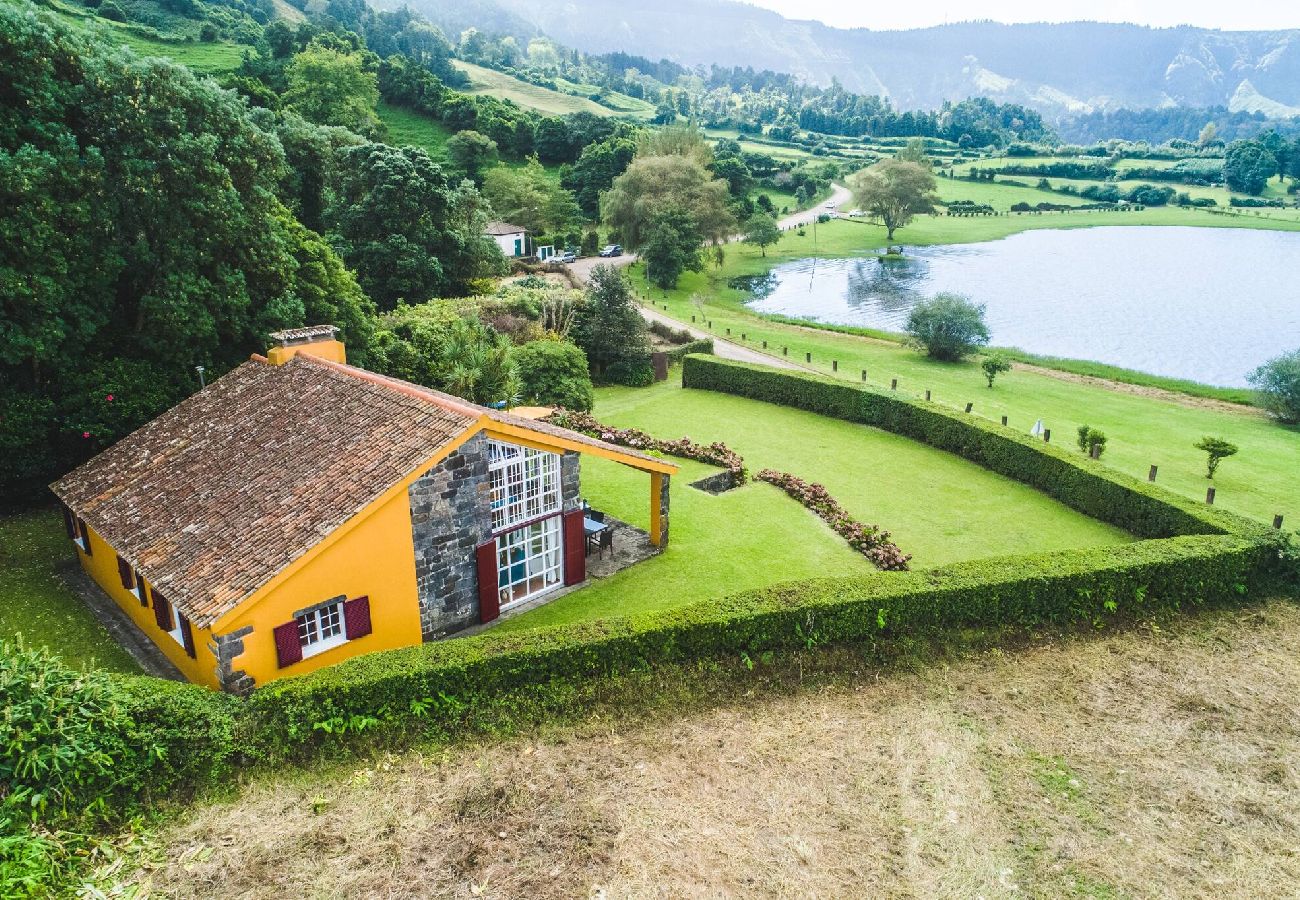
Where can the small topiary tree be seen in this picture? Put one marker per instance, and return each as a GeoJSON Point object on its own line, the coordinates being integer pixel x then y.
{"type": "Point", "coordinates": [1278, 385]}
{"type": "Point", "coordinates": [1216, 450]}
{"type": "Point", "coordinates": [1089, 438]}
{"type": "Point", "coordinates": [554, 373]}
{"type": "Point", "coordinates": [948, 326]}
{"type": "Point", "coordinates": [995, 364]}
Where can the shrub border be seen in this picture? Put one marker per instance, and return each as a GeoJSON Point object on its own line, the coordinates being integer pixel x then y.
{"type": "Point", "coordinates": [1194, 556]}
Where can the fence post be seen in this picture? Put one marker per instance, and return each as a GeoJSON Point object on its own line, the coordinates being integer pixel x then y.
{"type": "Point", "coordinates": [1004, 420]}
{"type": "Point", "coordinates": [968, 405]}
{"type": "Point", "coordinates": [1277, 521]}
{"type": "Point", "coordinates": [785, 351]}
{"type": "Point", "coordinates": [927, 394]}
{"type": "Point", "coordinates": [893, 384]}
{"type": "Point", "coordinates": [692, 318]}
{"type": "Point", "coordinates": [835, 365]}
{"type": "Point", "coordinates": [864, 374]}
{"type": "Point", "coordinates": [764, 345]}
{"type": "Point", "coordinates": [1047, 435]}
{"type": "Point", "coordinates": [807, 357]}
{"type": "Point", "coordinates": [1151, 476]}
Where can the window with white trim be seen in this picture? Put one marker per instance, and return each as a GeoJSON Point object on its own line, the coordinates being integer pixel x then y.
{"type": "Point", "coordinates": [321, 628]}
{"type": "Point", "coordinates": [525, 484]}
{"type": "Point", "coordinates": [174, 628]}
{"type": "Point", "coordinates": [530, 561]}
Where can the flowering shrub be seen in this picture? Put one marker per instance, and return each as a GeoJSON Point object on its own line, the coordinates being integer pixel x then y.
{"type": "Point", "coordinates": [715, 454]}
{"type": "Point", "coordinates": [868, 540]}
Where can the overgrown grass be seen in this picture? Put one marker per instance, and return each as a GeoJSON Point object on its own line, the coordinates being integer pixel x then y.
{"type": "Point", "coordinates": [36, 604]}
{"type": "Point", "coordinates": [939, 508]}
{"type": "Point", "coordinates": [532, 96]}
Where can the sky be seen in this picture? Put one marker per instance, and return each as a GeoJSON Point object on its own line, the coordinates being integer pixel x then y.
{"type": "Point", "coordinates": [1237, 16]}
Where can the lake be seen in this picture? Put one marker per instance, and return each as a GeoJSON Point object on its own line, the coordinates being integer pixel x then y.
{"type": "Point", "coordinates": [1209, 304]}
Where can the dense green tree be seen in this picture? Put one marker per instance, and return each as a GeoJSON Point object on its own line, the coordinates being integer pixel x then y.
{"type": "Point", "coordinates": [330, 87]}
{"type": "Point", "coordinates": [735, 173]}
{"type": "Point", "coordinates": [672, 246]}
{"type": "Point", "coordinates": [1278, 384]}
{"type": "Point", "coordinates": [761, 230]}
{"type": "Point", "coordinates": [406, 230]}
{"type": "Point", "coordinates": [473, 153]}
{"type": "Point", "coordinates": [653, 184]}
{"type": "Point", "coordinates": [528, 196]}
{"type": "Point", "coordinates": [611, 331]}
{"type": "Point", "coordinates": [1248, 166]}
{"type": "Point", "coordinates": [894, 192]}
{"type": "Point", "coordinates": [142, 228]}
{"type": "Point", "coordinates": [947, 326]}
{"type": "Point", "coordinates": [554, 373]}
{"type": "Point", "coordinates": [595, 170]}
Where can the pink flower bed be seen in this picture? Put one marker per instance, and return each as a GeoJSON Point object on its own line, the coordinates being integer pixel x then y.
{"type": "Point", "coordinates": [868, 540]}
{"type": "Point", "coordinates": [715, 454]}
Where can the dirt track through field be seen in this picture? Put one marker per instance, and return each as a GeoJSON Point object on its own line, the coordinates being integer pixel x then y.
{"type": "Point", "coordinates": [1154, 764]}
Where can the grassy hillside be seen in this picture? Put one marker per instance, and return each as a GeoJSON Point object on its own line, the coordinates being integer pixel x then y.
{"type": "Point", "coordinates": [545, 100]}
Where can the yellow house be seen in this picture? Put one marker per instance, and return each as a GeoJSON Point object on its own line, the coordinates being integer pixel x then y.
{"type": "Point", "coordinates": [299, 511]}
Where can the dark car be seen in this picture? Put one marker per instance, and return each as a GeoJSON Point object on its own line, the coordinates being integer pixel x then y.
{"type": "Point", "coordinates": [612, 250]}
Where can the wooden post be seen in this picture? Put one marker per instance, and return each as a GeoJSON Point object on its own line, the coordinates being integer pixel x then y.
{"type": "Point", "coordinates": [893, 384]}
{"type": "Point", "coordinates": [927, 395]}
{"type": "Point", "coordinates": [1209, 496]}
{"type": "Point", "coordinates": [692, 319]}
{"type": "Point", "coordinates": [764, 345]}
{"type": "Point", "coordinates": [1151, 476]}
{"type": "Point", "coordinates": [658, 515]}
{"type": "Point", "coordinates": [864, 374]}
{"type": "Point", "coordinates": [968, 405]}
{"type": "Point", "coordinates": [1004, 420]}
{"type": "Point", "coordinates": [710, 324]}
{"type": "Point", "coordinates": [807, 357]}
{"type": "Point", "coordinates": [1047, 435]}
{"type": "Point", "coordinates": [1277, 521]}
{"type": "Point", "coordinates": [785, 351]}
{"type": "Point", "coordinates": [728, 332]}
{"type": "Point", "coordinates": [835, 365]}
{"type": "Point", "coordinates": [743, 336]}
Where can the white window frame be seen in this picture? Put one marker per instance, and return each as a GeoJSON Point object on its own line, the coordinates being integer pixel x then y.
{"type": "Point", "coordinates": [82, 538]}
{"type": "Point", "coordinates": [531, 558]}
{"type": "Point", "coordinates": [138, 587]}
{"type": "Point", "coordinates": [525, 484]}
{"type": "Point", "coordinates": [175, 629]}
{"type": "Point", "coordinates": [322, 628]}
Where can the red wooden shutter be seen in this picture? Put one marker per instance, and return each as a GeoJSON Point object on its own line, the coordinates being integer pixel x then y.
{"type": "Point", "coordinates": [144, 591]}
{"type": "Point", "coordinates": [85, 534]}
{"type": "Point", "coordinates": [356, 617]}
{"type": "Point", "coordinates": [125, 573]}
{"type": "Point", "coordinates": [69, 523]}
{"type": "Point", "coordinates": [162, 611]}
{"type": "Point", "coordinates": [489, 592]}
{"type": "Point", "coordinates": [187, 635]}
{"type": "Point", "coordinates": [288, 649]}
{"type": "Point", "coordinates": [575, 547]}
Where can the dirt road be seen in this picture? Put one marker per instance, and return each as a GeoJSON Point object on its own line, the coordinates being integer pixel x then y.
{"type": "Point", "coordinates": [1151, 763]}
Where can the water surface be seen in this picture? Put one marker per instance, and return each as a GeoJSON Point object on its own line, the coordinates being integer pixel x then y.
{"type": "Point", "coordinates": [1209, 304]}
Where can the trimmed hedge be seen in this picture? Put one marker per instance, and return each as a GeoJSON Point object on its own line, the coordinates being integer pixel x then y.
{"type": "Point", "coordinates": [443, 683]}
{"type": "Point", "coordinates": [677, 354]}
{"type": "Point", "coordinates": [1139, 507]}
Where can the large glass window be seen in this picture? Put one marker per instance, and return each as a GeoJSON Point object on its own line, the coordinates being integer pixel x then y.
{"type": "Point", "coordinates": [529, 560]}
{"type": "Point", "coordinates": [525, 484]}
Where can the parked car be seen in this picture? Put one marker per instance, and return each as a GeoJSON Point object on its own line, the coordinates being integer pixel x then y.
{"type": "Point", "coordinates": [564, 258]}
{"type": "Point", "coordinates": [856, 214]}
{"type": "Point", "coordinates": [612, 250]}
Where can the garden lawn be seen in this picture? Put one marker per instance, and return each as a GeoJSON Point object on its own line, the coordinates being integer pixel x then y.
{"type": "Point", "coordinates": [36, 604]}
{"type": "Point", "coordinates": [1143, 429]}
{"type": "Point", "coordinates": [939, 508]}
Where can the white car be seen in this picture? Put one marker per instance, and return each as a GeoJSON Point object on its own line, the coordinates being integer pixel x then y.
{"type": "Point", "coordinates": [830, 205]}
{"type": "Point", "coordinates": [856, 214]}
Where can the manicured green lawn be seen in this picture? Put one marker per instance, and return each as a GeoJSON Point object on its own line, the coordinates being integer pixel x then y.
{"type": "Point", "coordinates": [939, 508]}
{"type": "Point", "coordinates": [36, 603]}
{"type": "Point", "coordinates": [1260, 481]}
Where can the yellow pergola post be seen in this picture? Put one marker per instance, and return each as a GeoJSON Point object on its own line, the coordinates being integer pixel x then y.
{"type": "Point", "coordinates": [659, 509]}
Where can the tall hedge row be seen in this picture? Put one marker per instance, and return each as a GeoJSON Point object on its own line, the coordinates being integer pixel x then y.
{"type": "Point", "coordinates": [1084, 484]}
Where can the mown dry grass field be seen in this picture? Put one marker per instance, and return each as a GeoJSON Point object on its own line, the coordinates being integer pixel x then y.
{"type": "Point", "coordinates": [1158, 762]}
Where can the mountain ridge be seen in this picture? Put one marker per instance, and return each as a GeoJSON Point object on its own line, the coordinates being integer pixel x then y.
{"type": "Point", "coordinates": [1057, 68]}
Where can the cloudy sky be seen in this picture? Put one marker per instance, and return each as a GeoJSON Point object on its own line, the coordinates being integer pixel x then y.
{"type": "Point", "coordinates": [1242, 14]}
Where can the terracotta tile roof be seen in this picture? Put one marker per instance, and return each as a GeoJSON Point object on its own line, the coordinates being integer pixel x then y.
{"type": "Point", "coordinates": [215, 496]}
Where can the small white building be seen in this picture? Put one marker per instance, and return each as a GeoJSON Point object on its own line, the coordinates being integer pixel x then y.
{"type": "Point", "coordinates": [512, 239]}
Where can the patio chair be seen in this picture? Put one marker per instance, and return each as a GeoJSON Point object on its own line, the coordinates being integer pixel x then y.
{"type": "Point", "coordinates": [595, 515]}
{"type": "Point", "coordinates": [604, 541]}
